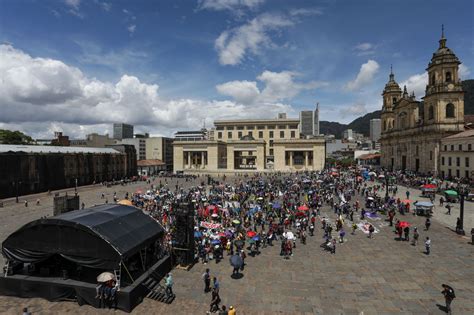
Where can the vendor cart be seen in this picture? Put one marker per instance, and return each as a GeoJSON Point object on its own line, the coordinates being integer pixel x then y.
{"type": "Point", "coordinates": [424, 208]}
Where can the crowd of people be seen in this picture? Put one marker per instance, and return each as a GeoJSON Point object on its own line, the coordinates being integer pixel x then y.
{"type": "Point", "coordinates": [243, 215]}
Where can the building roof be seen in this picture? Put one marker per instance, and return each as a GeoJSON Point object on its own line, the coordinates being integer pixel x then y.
{"type": "Point", "coordinates": [256, 121]}
{"type": "Point", "coordinates": [469, 119]}
{"type": "Point", "coordinates": [150, 162]}
{"type": "Point", "coordinates": [4, 148]}
{"type": "Point", "coordinates": [464, 134]}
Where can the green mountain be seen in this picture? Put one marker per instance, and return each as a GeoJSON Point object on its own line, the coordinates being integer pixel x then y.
{"type": "Point", "coordinates": [362, 124]}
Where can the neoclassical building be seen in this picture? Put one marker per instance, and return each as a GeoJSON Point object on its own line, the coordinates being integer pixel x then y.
{"type": "Point", "coordinates": [411, 129]}
{"type": "Point", "coordinates": [251, 145]}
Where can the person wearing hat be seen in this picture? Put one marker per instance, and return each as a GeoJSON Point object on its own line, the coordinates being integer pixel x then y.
{"type": "Point", "coordinates": [449, 296]}
{"type": "Point", "coordinates": [231, 311]}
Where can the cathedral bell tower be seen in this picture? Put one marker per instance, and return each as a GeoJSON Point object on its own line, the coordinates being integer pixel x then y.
{"type": "Point", "coordinates": [444, 97]}
{"type": "Point", "coordinates": [391, 95]}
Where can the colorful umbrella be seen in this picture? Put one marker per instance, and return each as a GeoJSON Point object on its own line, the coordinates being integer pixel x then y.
{"type": "Point", "coordinates": [451, 192]}
{"type": "Point", "coordinates": [303, 208]}
{"type": "Point", "coordinates": [105, 276]}
{"type": "Point", "coordinates": [216, 242]}
{"type": "Point", "coordinates": [236, 261]}
{"type": "Point", "coordinates": [251, 233]}
{"type": "Point", "coordinates": [236, 222]}
{"type": "Point", "coordinates": [256, 238]}
{"type": "Point", "coordinates": [276, 205]}
{"type": "Point", "coordinates": [125, 202]}
{"type": "Point", "coordinates": [197, 234]}
{"type": "Point", "coordinates": [406, 201]}
{"type": "Point", "coordinates": [404, 224]}
{"type": "Point", "coordinates": [429, 186]}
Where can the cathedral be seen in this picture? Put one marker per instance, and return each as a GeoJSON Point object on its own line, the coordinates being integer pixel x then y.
{"type": "Point", "coordinates": [411, 129]}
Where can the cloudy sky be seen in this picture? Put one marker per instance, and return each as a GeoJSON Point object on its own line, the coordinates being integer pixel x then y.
{"type": "Point", "coordinates": [77, 66]}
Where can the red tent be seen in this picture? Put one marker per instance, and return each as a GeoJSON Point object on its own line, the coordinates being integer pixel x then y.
{"type": "Point", "coordinates": [404, 224]}
{"type": "Point", "coordinates": [429, 186]}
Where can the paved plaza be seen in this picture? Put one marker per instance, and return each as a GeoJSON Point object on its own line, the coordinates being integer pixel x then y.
{"type": "Point", "coordinates": [366, 276]}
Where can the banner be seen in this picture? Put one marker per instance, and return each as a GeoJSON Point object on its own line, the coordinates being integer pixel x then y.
{"type": "Point", "coordinates": [209, 225]}
{"type": "Point", "coordinates": [364, 227]}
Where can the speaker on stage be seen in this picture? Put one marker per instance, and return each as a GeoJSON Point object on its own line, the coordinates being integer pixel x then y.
{"type": "Point", "coordinates": [184, 233]}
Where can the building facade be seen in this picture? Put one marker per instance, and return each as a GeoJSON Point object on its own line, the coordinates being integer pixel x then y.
{"type": "Point", "coordinates": [160, 148]}
{"type": "Point", "coordinates": [123, 131]}
{"type": "Point", "coordinates": [375, 129]}
{"type": "Point", "coordinates": [93, 140]}
{"type": "Point", "coordinates": [32, 169]}
{"type": "Point", "coordinates": [309, 122]}
{"type": "Point", "coordinates": [139, 144]}
{"type": "Point", "coordinates": [251, 145]}
{"type": "Point", "coordinates": [411, 129]}
{"type": "Point", "coordinates": [457, 155]}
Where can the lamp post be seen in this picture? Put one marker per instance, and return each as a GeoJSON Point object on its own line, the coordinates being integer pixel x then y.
{"type": "Point", "coordinates": [462, 194]}
{"type": "Point", "coordinates": [75, 188]}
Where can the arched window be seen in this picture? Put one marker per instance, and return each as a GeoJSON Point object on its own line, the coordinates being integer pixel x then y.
{"type": "Point", "coordinates": [384, 125]}
{"type": "Point", "coordinates": [448, 76]}
{"type": "Point", "coordinates": [450, 111]}
{"type": "Point", "coordinates": [433, 81]}
{"type": "Point", "coordinates": [431, 112]}
{"type": "Point", "coordinates": [394, 100]}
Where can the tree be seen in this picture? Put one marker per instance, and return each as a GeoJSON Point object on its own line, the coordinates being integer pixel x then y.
{"type": "Point", "coordinates": [14, 137]}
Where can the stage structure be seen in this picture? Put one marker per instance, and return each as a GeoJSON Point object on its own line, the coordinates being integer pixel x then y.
{"type": "Point", "coordinates": [60, 257]}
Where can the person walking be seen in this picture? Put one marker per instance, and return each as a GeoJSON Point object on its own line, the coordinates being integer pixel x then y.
{"type": "Point", "coordinates": [232, 311]}
{"type": "Point", "coordinates": [169, 285]}
{"type": "Point", "coordinates": [427, 245]}
{"type": "Point", "coordinates": [449, 296]}
{"type": "Point", "coordinates": [223, 310]}
{"type": "Point", "coordinates": [416, 235]}
{"type": "Point", "coordinates": [333, 247]}
{"type": "Point", "coordinates": [448, 206]}
{"type": "Point", "coordinates": [215, 300]}
{"type": "Point", "coordinates": [427, 224]}
{"type": "Point", "coordinates": [406, 230]}
{"type": "Point", "coordinates": [206, 276]}
{"type": "Point", "coordinates": [371, 230]}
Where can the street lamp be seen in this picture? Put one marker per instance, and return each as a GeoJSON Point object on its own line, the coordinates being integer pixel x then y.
{"type": "Point", "coordinates": [75, 188]}
{"type": "Point", "coordinates": [463, 191]}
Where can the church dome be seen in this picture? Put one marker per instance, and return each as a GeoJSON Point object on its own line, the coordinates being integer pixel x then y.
{"type": "Point", "coordinates": [443, 54]}
{"type": "Point", "coordinates": [392, 85]}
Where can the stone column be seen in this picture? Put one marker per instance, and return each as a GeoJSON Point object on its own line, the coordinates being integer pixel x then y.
{"type": "Point", "coordinates": [291, 158]}
{"type": "Point", "coordinates": [202, 159]}
{"type": "Point", "coordinates": [306, 159]}
{"type": "Point", "coordinates": [189, 159]}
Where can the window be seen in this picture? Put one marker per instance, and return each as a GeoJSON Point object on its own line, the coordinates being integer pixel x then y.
{"type": "Point", "coordinates": [445, 148]}
{"type": "Point", "coordinates": [271, 143]}
{"type": "Point", "coordinates": [466, 174]}
{"type": "Point", "coordinates": [452, 147]}
{"type": "Point", "coordinates": [239, 134]}
{"type": "Point", "coordinates": [433, 80]}
{"type": "Point", "coordinates": [271, 134]}
{"type": "Point", "coordinates": [282, 134]}
{"type": "Point", "coordinates": [260, 127]}
{"type": "Point", "coordinates": [431, 112]}
{"type": "Point", "coordinates": [460, 147]}
{"type": "Point", "coordinates": [448, 76]}
{"type": "Point", "coordinates": [394, 100]}
{"type": "Point", "coordinates": [250, 134]}
{"type": "Point", "coordinates": [384, 125]}
{"type": "Point", "coordinates": [271, 151]}
{"type": "Point", "coordinates": [416, 151]}
{"type": "Point", "coordinates": [293, 127]}
{"type": "Point", "coordinates": [442, 160]}
{"type": "Point", "coordinates": [293, 134]}
{"type": "Point", "coordinates": [457, 173]}
{"type": "Point", "coordinates": [219, 128]}
{"type": "Point", "coordinates": [467, 161]}
{"type": "Point", "coordinates": [458, 161]}
{"type": "Point", "coordinates": [450, 111]}
{"type": "Point", "coordinates": [260, 134]}
{"type": "Point", "coordinates": [469, 147]}
{"type": "Point", "coordinates": [449, 163]}
{"type": "Point", "coordinates": [229, 134]}
{"type": "Point", "coordinates": [219, 135]}
{"type": "Point", "coordinates": [240, 128]}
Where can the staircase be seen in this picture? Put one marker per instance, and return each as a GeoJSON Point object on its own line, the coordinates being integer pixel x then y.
{"type": "Point", "coordinates": [156, 290]}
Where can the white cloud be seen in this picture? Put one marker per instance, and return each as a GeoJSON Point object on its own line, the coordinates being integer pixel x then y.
{"type": "Point", "coordinates": [365, 49]}
{"type": "Point", "coordinates": [232, 45]}
{"type": "Point", "coordinates": [306, 12]}
{"type": "Point", "coordinates": [106, 6]}
{"type": "Point", "coordinates": [278, 86]}
{"type": "Point", "coordinates": [364, 77]}
{"type": "Point", "coordinates": [416, 83]}
{"type": "Point", "coordinates": [352, 111]}
{"type": "Point", "coordinates": [232, 5]}
{"type": "Point", "coordinates": [73, 3]}
{"type": "Point", "coordinates": [245, 92]}
{"type": "Point", "coordinates": [132, 28]}
{"type": "Point", "coordinates": [41, 95]}
{"type": "Point", "coordinates": [464, 72]}
{"type": "Point", "coordinates": [364, 46]}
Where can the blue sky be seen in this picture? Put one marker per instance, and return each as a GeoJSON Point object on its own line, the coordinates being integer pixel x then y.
{"type": "Point", "coordinates": [168, 65]}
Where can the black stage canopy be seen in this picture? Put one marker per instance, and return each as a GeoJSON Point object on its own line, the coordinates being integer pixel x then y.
{"type": "Point", "coordinates": [99, 237]}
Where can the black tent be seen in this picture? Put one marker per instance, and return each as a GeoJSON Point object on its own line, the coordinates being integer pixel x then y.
{"type": "Point", "coordinates": [100, 237]}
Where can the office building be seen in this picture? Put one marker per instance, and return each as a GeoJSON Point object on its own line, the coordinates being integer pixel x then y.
{"type": "Point", "coordinates": [375, 129]}
{"type": "Point", "coordinates": [123, 131]}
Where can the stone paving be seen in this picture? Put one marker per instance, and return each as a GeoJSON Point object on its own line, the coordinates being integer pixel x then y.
{"type": "Point", "coordinates": [365, 276]}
